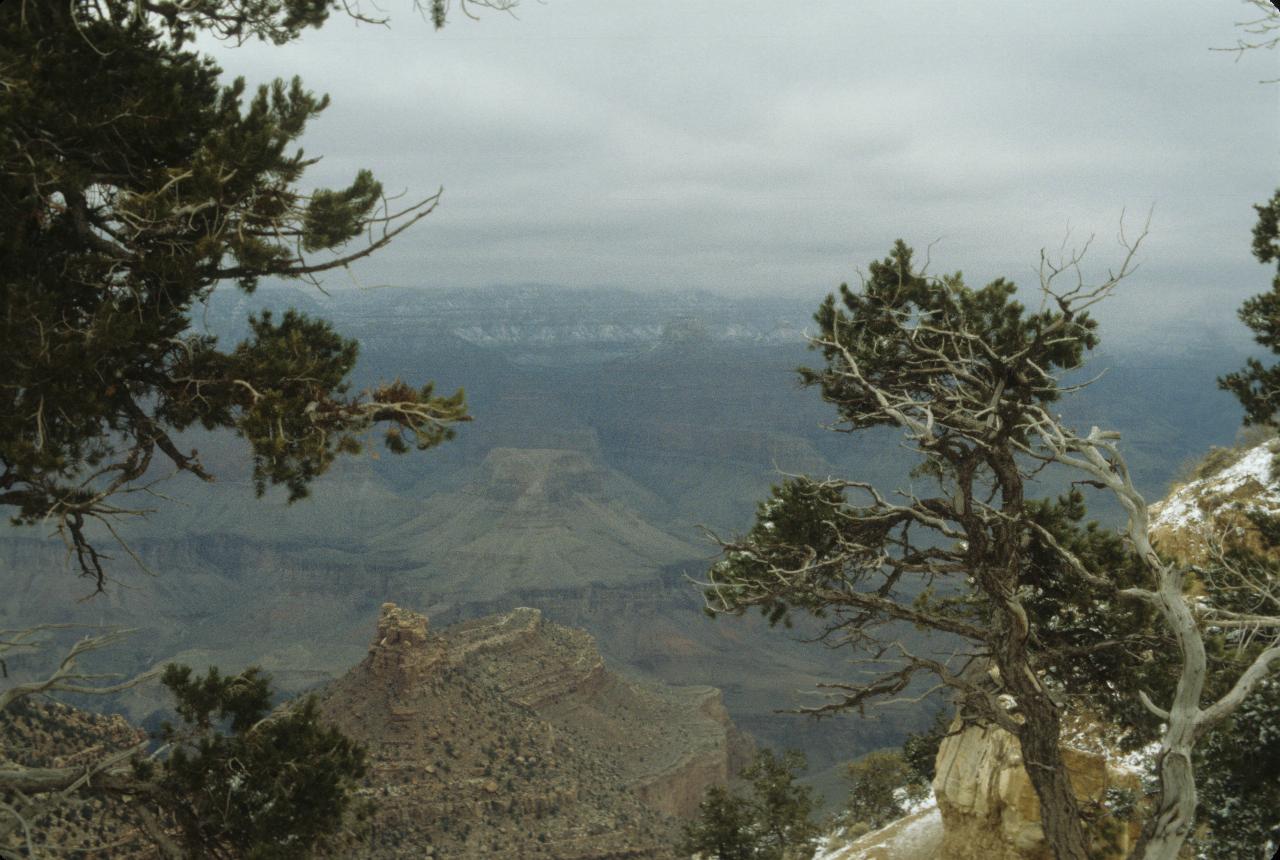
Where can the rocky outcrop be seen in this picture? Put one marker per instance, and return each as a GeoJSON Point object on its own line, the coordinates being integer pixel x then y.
{"type": "Point", "coordinates": [507, 736]}
{"type": "Point", "coordinates": [1232, 484]}
{"type": "Point", "coordinates": [677, 787]}
{"type": "Point", "coordinates": [988, 806]}
{"type": "Point", "coordinates": [403, 653]}
{"type": "Point", "coordinates": [668, 743]}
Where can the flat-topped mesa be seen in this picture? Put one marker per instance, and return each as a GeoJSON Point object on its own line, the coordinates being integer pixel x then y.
{"type": "Point", "coordinates": [403, 652]}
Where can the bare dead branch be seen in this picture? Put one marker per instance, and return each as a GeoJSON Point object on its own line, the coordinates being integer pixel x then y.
{"type": "Point", "coordinates": [68, 677]}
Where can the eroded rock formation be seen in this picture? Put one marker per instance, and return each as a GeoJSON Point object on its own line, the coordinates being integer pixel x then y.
{"type": "Point", "coordinates": [508, 736]}
{"type": "Point", "coordinates": [986, 808]}
{"type": "Point", "coordinates": [989, 808]}
{"type": "Point", "coordinates": [402, 652]}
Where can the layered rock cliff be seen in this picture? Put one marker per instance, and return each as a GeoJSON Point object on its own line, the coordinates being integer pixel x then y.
{"type": "Point", "coordinates": [669, 743]}
{"type": "Point", "coordinates": [535, 518]}
{"type": "Point", "coordinates": [507, 736]}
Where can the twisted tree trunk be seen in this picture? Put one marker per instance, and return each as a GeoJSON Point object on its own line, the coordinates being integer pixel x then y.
{"type": "Point", "coordinates": [1039, 737]}
{"type": "Point", "coordinates": [1040, 732]}
{"type": "Point", "coordinates": [1167, 828]}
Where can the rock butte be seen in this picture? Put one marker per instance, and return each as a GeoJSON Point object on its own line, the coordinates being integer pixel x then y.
{"type": "Point", "coordinates": [508, 736]}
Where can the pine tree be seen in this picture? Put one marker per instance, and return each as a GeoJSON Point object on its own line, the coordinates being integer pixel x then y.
{"type": "Point", "coordinates": [1240, 794]}
{"type": "Point", "coordinates": [1048, 607]}
{"type": "Point", "coordinates": [722, 829]}
{"type": "Point", "coordinates": [875, 782]}
{"type": "Point", "coordinates": [782, 808]}
{"type": "Point", "coordinates": [774, 822]}
{"type": "Point", "coordinates": [1257, 386]}
{"type": "Point", "coordinates": [963, 372]}
{"type": "Point", "coordinates": [241, 781]}
{"type": "Point", "coordinates": [133, 181]}
{"type": "Point", "coordinates": [233, 778]}
{"type": "Point", "coordinates": [1237, 764]}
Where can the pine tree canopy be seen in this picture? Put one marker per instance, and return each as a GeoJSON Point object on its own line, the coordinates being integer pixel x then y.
{"type": "Point", "coordinates": [1002, 345]}
{"type": "Point", "coordinates": [1014, 602]}
{"type": "Point", "coordinates": [1257, 386]}
{"type": "Point", "coordinates": [875, 782]}
{"type": "Point", "coordinates": [243, 781]}
{"type": "Point", "coordinates": [774, 822]}
{"type": "Point", "coordinates": [132, 182]}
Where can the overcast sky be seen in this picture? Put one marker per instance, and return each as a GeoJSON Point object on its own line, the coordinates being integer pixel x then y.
{"type": "Point", "coordinates": [774, 146]}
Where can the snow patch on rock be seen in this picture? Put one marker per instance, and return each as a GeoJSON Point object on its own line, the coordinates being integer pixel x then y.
{"type": "Point", "coordinates": [1191, 504]}
{"type": "Point", "coordinates": [915, 837]}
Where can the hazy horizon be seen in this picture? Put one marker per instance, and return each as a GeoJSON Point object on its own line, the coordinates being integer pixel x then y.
{"type": "Point", "coordinates": [754, 148]}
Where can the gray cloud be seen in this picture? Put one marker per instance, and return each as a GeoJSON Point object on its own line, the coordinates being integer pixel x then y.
{"type": "Point", "coordinates": [759, 146]}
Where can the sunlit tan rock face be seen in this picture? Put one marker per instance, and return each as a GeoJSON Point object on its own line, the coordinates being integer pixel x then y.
{"type": "Point", "coordinates": [989, 808]}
